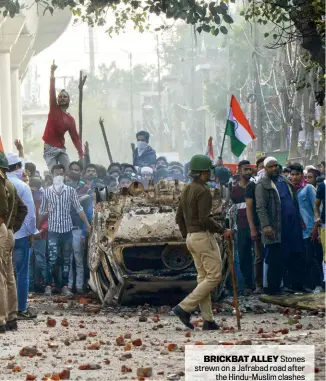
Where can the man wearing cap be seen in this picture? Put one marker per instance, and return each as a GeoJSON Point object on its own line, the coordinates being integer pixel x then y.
{"type": "Point", "coordinates": [281, 224]}
{"type": "Point", "coordinates": [144, 155]}
{"type": "Point", "coordinates": [198, 227]}
{"type": "Point", "coordinates": [24, 236]}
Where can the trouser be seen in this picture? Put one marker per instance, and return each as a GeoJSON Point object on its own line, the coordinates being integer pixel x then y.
{"type": "Point", "coordinates": [21, 262]}
{"type": "Point", "coordinates": [286, 266]}
{"type": "Point", "coordinates": [77, 254]}
{"type": "Point", "coordinates": [8, 290]}
{"type": "Point", "coordinates": [54, 155]}
{"type": "Point", "coordinates": [313, 263]}
{"type": "Point", "coordinates": [259, 263]}
{"type": "Point", "coordinates": [59, 253]}
{"type": "Point", "coordinates": [245, 245]}
{"type": "Point", "coordinates": [37, 266]}
{"type": "Point", "coordinates": [207, 258]}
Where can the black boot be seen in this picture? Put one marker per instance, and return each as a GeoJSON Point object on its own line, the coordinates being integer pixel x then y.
{"type": "Point", "coordinates": [2, 329]}
{"type": "Point", "coordinates": [183, 316]}
{"type": "Point", "coordinates": [11, 325]}
{"type": "Point", "coordinates": [210, 326]}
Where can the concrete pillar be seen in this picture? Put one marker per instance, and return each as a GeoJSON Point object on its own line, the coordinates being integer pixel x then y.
{"type": "Point", "coordinates": [5, 99]}
{"type": "Point", "coordinates": [16, 105]}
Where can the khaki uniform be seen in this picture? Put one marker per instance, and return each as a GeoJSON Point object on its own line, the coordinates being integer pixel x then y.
{"type": "Point", "coordinates": [193, 218]}
{"type": "Point", "coordinates": [3, 241]}
{"type": "Point", "coordinates": [15, 215]}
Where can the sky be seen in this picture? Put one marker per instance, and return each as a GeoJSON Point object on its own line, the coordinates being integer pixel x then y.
{"type": "Point", "coordinates": [71, 52]}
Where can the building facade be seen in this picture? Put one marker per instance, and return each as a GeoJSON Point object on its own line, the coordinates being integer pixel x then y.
{"type": "Point", "coordinates": [21, 38]}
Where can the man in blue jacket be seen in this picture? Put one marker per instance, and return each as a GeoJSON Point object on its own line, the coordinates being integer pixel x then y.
{"type": "Point", "coordinates": [144, 155]}
{"type": "Point", "coordinates": [313, 251]}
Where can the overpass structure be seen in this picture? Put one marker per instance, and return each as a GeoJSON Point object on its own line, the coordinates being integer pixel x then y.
{"type": "Point", "coordinates": [21, 38]}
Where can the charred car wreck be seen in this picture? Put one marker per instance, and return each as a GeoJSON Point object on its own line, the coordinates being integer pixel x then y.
{"type": "Point", "coordinates": [136, 250]}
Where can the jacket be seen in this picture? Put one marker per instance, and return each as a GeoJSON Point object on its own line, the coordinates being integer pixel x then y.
{"type": "Point", "coordinates": [194, 210]}
{"type": "Point", "coordinates": [3, 198]}
{"type": "Point", "coordinates": [17, 210]}
{"type": "Point", "coordinates": [268, 204]}
{"type": "Point", "coordinates": [307, 198]}
{"type": "Point", "coordinates": [147, 158]}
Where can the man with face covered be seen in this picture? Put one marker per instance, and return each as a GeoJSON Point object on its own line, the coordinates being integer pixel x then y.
{"type": "Point", "coordinates": [144, 155]}
{"type": "Point", "coordinates": [146, 176]}
{"type": "Point", "coordinates": [281, 225]}
{"type": "Point", "coordinates": [57, 202]}
{"type": "Point", "coordinates": [59, 122]}
{"type": "Point", "coordinates": [197, 226]}
{"type": "Point", "coordinates": [124, 181]}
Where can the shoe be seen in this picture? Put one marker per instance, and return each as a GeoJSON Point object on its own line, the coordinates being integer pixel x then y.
{"type": "Point", "coordinates": [26, 315]}
{"type": "Point", "coordinates": [48, 291]}
{"type": "Point", "coordinates": [66, 292]}
{"type": "Point", "coordinates": [2, 329]}
{"type": "Point", "coordinates": [11, 325]}
{"type": "Point", "coordinates": [210, 326]}
{"type": "Point", "coordinates": [183, 316]}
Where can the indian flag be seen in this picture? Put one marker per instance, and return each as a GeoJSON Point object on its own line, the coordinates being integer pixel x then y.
{"type": "Point", "coordinates": [238, 128]}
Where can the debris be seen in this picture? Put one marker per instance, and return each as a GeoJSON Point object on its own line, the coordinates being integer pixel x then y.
{"type": "Point", "coordinates": [144, 372]}
{"type": "Point", "coordinates": [95, 346]}
{"type": "Point", "coordinates": [173, 377]}
{"type": "Point", "coordinates": [156, 318]}
{"type": "Point", "coordinates": [16, 369]}
{"type": "Point", "coordinates": [89, 367]}
{"type": "Point", "coordinates": [53, 345]}
{"type": "Point", "coordinates": [142, 319]}
{"type": "Point", "coordinates": [284, 331]}
{"type": "Point", "coordinates": [127, 347]}
{"type": "Point", "coordinates": [125, 369]}
{"type": "Point", "coordinates": [126, 356]}
{"type": "Point", "coordinates": [65, 323]}
{"type": "Point", "coordinates": [127, 335]}
{"type": "Point", "coordinates": [298, 326]}
{"type": "Point", "coordinates": [30, 377]}
{"type": "Point", "coordinates": [172, 347]}
{"type": "Point", "coordinates": [66, 342]}
{"type": "Point", "coordinates": [51, 322]}
{"type": "Point", "coordinates": [82, 336]}
{"type": "Point", "coordinates": [92, 334]}
{"type": "Point", "coordinates": [28, 351]}
{"type": "Point", "coordinates": [260, 330]}
{"type": "Point", "coordinates": [137, 343]}
{"type": "Point", "coordinates": [120, 341]}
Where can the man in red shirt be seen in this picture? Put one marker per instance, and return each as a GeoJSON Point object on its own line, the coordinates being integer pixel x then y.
{"type": "Point", "coordinates": [58, 123]}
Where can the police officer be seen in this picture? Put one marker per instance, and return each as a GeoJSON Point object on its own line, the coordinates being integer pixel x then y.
{"type": "Point", "coordinates": [11, 218]}
{"type": "Point", "coordinates": [3, 238]}
{"type": "Point", "coordinates": [197, 225]}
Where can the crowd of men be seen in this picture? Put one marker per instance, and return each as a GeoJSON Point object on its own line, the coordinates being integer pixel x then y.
{"type": "Point", "coordinates": [276, 214]}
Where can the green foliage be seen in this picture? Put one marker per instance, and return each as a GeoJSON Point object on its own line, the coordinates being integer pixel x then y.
{"type": "Point", "coordinates": [200, 13]}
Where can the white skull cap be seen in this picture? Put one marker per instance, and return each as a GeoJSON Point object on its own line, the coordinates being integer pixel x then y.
{"type": "Point", "coordinates": [269, 159]}
{"type": "Point", "coordinates": [13, 158]}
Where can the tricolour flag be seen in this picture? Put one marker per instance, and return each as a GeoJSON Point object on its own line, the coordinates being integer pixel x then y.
{"type": "Point", "coordinates": [1, 146]}
{"type": "Point", "coordinates": [238, 128]}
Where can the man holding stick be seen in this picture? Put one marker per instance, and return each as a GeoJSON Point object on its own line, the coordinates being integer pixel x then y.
{"type": "Point", "coordinates": [197, 225]}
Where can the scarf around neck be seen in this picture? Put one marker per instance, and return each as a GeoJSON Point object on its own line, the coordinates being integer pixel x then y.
{"type": "Point", "coordinates": [301, 185]}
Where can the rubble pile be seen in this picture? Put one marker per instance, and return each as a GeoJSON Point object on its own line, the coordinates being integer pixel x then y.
{"type": "Point", "coordinates": [142, 342]}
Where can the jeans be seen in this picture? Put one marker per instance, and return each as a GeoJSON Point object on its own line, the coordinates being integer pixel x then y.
{"type": "Point", "coordinates": [313, 263]}
{"type": "Point", "coordinates": [37, 265]}
{"type": "Point", "coordinates": [59, 250]}
{"type": "Point", "coordinates": [21, 263]}
{"type": "Point", "coordinates": [78, 255]}
{"type": "Point", "coordinates": [245, 245]}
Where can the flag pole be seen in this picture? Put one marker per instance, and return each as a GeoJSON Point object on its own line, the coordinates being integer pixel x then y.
{"type": "Point", "coordinates": [223, 142]}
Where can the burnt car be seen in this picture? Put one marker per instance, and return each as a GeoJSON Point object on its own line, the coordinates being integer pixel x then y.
{"type": "Point", "coordinates": [136, 251]}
